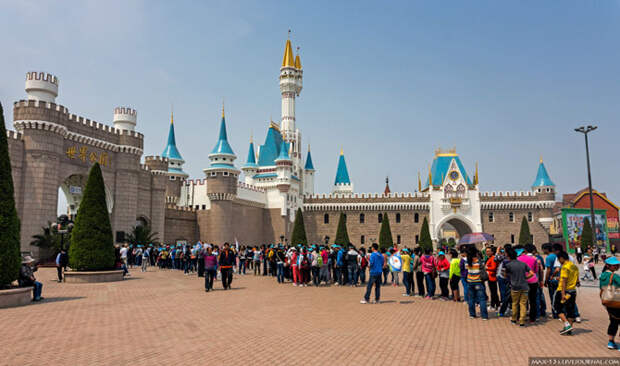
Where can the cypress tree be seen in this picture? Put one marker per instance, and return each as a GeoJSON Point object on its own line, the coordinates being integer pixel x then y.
{"type": "Point", "coordinates": [92, 246]}
{"type": "Point", "coordinates": [342, 236]}
{"type": "Point", "coordinates": [451, 242]}
{"type": "Point", "coordinates": [10, 257]}
{"type": "Point", "coordinates": [385, 233]}
{"type": "Point", "coordinates": [299, 231]}
{"type": "Point", "coordinates": [426, 242]}
{"type": "Point", "coordinates": [524, 235]}
{"type": "Point", "coordinates": [586, 235]}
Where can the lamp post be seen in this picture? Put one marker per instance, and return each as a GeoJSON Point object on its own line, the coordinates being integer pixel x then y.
{"type": "Point", "coordinates": [585, 130]}
{"type": "Point", "coordinates": [62, 227]}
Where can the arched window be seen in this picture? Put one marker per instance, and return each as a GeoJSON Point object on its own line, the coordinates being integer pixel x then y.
{"type": "Point", "coordinates": [398, 219]}
{"type": "Point", "coordinates": [448, 191]}
{"type": "Point", "coordinates": [460, 191]}
{"type": "Point", "coordinates": [416, 217]}
{"type": "Point", "coordinates": [380, 218]}
{"type": "Point", "coordinates": [362, 218]}
{"type": "Point", "coordinates": [326, 219]}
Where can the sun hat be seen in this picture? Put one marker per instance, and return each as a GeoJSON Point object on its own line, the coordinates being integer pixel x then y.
{"type": "Point", "coordinates": [612, 261]}
{"type": "Point", "coordinates": [28, 259]}
{"type": "Point", "coordinates": [519, 251]}
{"type": "Point", "coordinates": [441, 253]}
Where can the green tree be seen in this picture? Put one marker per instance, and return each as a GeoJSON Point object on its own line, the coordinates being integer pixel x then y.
{"type": "Point", "coordinates": [586, 235]}
{"type": "Point", "coordinates": [91, 240]}
{"type": "Point", "coordinates": [10, 257]}
{"type": "Point", "coordinates": [299, 231]}
{"type": "Point", "coordinates": [385, 233]}
{"type": "Point", "coordinates": [524, 235]}
{"type": "Point", "coordinates": [342, 236]}
{"type": "Point", "coordinates": [142, 235]}
{"type": "Point", "coordinates": [425, 236]}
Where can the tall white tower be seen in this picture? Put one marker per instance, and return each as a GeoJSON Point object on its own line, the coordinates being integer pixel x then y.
{"type": "Point", "coordinates": [291, 83]}
{"type": "Point", "coordinates": [42, 87]}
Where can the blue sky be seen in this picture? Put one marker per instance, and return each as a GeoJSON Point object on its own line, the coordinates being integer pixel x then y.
{"type": "Point", "coordinates": [504, 82]}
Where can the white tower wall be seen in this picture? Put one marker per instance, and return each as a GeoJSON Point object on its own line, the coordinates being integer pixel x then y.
{"type": "Point", "coordinates": [41, 86]}
{"type": "Point", "coordinates": [125, 118]}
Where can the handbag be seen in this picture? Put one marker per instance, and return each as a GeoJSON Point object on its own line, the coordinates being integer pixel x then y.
{"type": "Point", "coordinates": [484, 275]}
{"type": "Point", "coordinates": [611, 295]}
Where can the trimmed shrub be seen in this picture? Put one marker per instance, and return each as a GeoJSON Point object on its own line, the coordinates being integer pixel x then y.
{"type": "Point", "coordinates": [342, 236]}
{"type": "Point", "coordinates": [299, 231]}
{"type": "Point", "coordinates": [385, 233]}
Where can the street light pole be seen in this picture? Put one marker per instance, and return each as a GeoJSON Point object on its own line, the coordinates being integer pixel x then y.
{"type": "Point", "coordinates": [585, 130]}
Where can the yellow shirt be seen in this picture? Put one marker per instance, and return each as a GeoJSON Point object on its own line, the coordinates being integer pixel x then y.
{"type": "Point", "coordinates": [570, 274]}
{"type": "Point", "coordinates": [406, 260]}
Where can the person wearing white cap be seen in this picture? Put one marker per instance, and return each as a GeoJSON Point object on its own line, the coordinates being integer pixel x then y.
{"type": "Point", "coordinates": [610, 285]}
{"type": "Point", "coordinates": [26, 277]}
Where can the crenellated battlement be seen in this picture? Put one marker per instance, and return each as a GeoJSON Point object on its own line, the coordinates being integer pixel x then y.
{"type": "Point", "coordinates": [171, 206]}
{"type": "Point", "coordinates": [125, 110]}
{"type": "Point", "coordinates": [196, 182]}
{"type": "Point", "coordinates": [43, 113]}
{"type": "Point", "coordinates": [156, 158]}
{"type": "Point", "coordinates": [250, 187]}
{"type": "Point", "coordinates": [14, 135]}
{"type": "Point", "coordinates": [41, 76]}
{"type": "Point", "coordinates": [366, 195]}
{"type": "Point", "coordinates": [507, 194]}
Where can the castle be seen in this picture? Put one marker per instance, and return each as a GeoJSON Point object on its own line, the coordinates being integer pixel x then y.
{"type": "Point", "coordinates": [52, 148]}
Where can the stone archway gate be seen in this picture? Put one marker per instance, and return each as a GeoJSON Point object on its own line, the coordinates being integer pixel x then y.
{"type": "Point", "coordinates": [50, 145]}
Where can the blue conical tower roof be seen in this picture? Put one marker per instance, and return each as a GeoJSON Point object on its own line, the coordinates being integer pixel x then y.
{"type": "Point", "coordinates": [342, 174]}
{"type": "Point", "coordinates": [309, 165]}
{"type": "Point", "coordinates": [171, 151]}
{"type": "Point", "coordinates": [251, 162]}
{"type": "Point", "coordinates": [222, 146]}
{"type": "Point", "coordinates": [283, 152]}
{"type": "Point", "coordinates": [542, 177]}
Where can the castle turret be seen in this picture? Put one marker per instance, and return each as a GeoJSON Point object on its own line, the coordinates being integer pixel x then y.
{"type": "Point", "coordinates": [309, 174]}
{"type": "Point", "coordinates": [41, 86]}
{"type": "Point", "coordinates": [250, 168]}
{"type": "Point", "coordinates": [222, 175]}
{"type": "Point", "coordinates": [342, 183]}
{"type": "Point", "coordinates": [284, 168]}
{"type": "Point", "coordinates": [175, 165]}
{"type": "Point", "coordinates": [125, 118]}
{"type": "Point", "coordinates": [291, 76]}
{"type": "Point", "coordinates": [543, 185]}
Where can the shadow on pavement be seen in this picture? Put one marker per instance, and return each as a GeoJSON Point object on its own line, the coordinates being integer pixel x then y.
{"type": "Point", "coordinates": [47, 300]}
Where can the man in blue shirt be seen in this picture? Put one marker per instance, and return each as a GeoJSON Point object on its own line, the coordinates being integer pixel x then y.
{"type": "Point", "coordinates": [375, 268]}
{"type": "Point", "coordinates": [552, 274]}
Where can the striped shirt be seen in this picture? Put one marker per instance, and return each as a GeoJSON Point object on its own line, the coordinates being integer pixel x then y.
{"type": "Point", "coordinates": [473, 271]}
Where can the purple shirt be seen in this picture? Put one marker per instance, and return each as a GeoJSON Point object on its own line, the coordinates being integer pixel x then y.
{"type": "Point", "coordinates": [531, 262]}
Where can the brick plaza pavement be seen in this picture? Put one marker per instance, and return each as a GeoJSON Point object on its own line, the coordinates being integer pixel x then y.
{"type": "Point", "coordinates": [166, 318]}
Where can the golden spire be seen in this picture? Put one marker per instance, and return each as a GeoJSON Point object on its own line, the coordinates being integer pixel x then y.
{"type": "Point", "coordinates": [222, 108]}
{"type": "Point", "coordinates": [287, 60]}
{"type": "Point", "coordinates": [297, 60]}
{"type": "Point", "coordinates": [341, 151]}
{"type": "Point", "coordinates": [308, 147]}
{"type": "Point", "coordinates": [171, 116]}
{"type": "Point", "coordinates": [541, 159]}
{"type": "Point", "coordinates": [251, 137]}
{"type": "Point", "coordinates": [430, 177]}
{"type": "Point", "coordinates": [419, 182]}
{"type": "Point", "coordinates": [476, 175]}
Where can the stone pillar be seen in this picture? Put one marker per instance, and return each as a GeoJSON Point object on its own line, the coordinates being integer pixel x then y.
{"type": "Point", "coordinates": [158, 204]}
{"type": "Point", "coordinates": [125, 193]}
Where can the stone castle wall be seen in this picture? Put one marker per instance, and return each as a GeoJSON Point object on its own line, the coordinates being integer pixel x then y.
{"type": "Point", "coordinates": [181, 225]}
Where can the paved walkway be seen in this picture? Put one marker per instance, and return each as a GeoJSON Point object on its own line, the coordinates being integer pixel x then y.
{"type": "Point", "coordinates": [166, 318]}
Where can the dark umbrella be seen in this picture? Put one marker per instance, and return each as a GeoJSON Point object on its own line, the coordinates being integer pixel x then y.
{"type": "Point", "coordinates": [474, 238]}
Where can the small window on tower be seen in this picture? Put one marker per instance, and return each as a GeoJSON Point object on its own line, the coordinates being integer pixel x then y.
{"type": "Point", "coordinates": [380, 218]}
{"type": "Point", "coordinates": [398, 219]}
{"type": "Point", "coordinates": [326, 219]}
{"type": "Point", "coordinates": [491, 217]}
{"type": "Point", "coordinates": [362, 218]}
{"type": "Point", "coordinates": [416, 219]}
{"type": "Point", "coordinates": [511, 216]}
{"type": "Point", "coordinates": [362, 239]}
{"type": "Point", "coordinates": [397, 239]}
{"type": "Point", "coordinates": [530, 217]}
{"type": "Point", "coordinates": [225, 174]}
{"type": "Point", "coordinates": [204, 207]}
{"type": "Point", "coordinates": [417, 239]}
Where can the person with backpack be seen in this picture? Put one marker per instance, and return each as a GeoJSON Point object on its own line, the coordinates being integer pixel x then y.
{"type": "Point", "coordinates": [280, 259]}
{"type": "Point", "coordinates": [293, 256]}
{"type": "Point", "coordinates": [324, 272]}
{"type": "Point", "coordinates": [407, 274]}
{"type": "Point", "coordinates": [417, 269]}
{"type": "Point", "coordinates": [304, 267]}
{"type": "Point", "coordinates": [341, 267]}
{"type": "Point", "coordinates": [352, 257]}
{"type": "Point", "coordinates": [317, 262]}
{"type": "Point", "coordinates": [610, 281]}
{"type": "Point", "coordinates": [363, 264]}
{"type": "Point", "coordinates": [376, 264]}
{"type": "Point", "coordinates": [443, 269]}
{"type": "Point", "coordinates": [430, 271]}
{"type": "Point", "coordinates": [476, 275]}
{"type": "Point", "coordinates": [526, 256]}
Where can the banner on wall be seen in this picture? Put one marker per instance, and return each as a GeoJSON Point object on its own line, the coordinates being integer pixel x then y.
{"type": "Point", "coordinates": [613, 228]}
{"type": "Point", "coordinates": [572, 224]}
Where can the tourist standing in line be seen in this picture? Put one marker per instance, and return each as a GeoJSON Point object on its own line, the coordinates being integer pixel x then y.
{"type": "Point", "coordinates": [386, 269]}
{"type": "Point", "coordinates": [324, 273]}
{"type": "Point", "coordinates": [429, 270]}
{"type": "Point", "coordinates": [463, 265]}
{"type": "Point", "coordinates": [407, 274]}
{"type": "Point", "coordinates": [503, 282]}
{"type": "Point", "coordinates": [476, 289]}
{"type": "Point", "coordinates": [341, 266]}
{"type": "Point", "coordinates": [417, 269]}
{"type": "Point", "coordinates": [145, 259]}
{"type": "Point", "coordinates": [256, 260]}
{"type": "Point", "coordinates": [491, 267]}
{"type": "Point", "coordinates": [61, 262]}
{"type": "Point", "coordinates": [294, 266]}
{"type": "Point", "coordinates": [526, 256]}
{"type": "Point", "coordinates": [375, 271]}
{"type": "Point", "coordinates": [351, 261]}
{"type": "Point", "coordinates": [443, 270]}
{"type": "Point", "coordinates": [317, 262]}
{"type": "Point", "coordinates": [226, 263]}
{"type": "Point", "coordinates": [609, 276]}
{"type": "Point", "coordinates": [454, 275]}
{"type": "Point", "coordinates": [201, 260]}
{"type": "Point", "coordinates": [210, 264]}
{"type": "Point", "coordinates": [566, 296]}
{"type": "Point", "coordinates": [242, 260]}
{"type": "Point", "coordinates": [518, 272]}
{"type": "Point", "coordinates": [280, 259]}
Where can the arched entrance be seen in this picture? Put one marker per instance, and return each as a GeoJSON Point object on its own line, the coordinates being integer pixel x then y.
{"type": "Point", "coordinates": [70, 195]}
{"type": "Point", "coordinates": [453, 226]}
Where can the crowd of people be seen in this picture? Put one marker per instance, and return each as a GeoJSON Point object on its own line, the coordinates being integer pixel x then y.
{"type": "Point", "coordinates": [508, 281]}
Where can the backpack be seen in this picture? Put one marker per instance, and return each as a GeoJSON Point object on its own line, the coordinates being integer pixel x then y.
{"type": "Point", "coordinates": [364, 263]}
{"type": "Point", "coordinates": [610, 297]}
{"type": "Point", "coordinates": [319, 260]}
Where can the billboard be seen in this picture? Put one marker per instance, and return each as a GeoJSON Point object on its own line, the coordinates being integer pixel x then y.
{"type": "Point", "coordinates": [612, 228]}
{"type": "Point", "coordinates": [572, 224]}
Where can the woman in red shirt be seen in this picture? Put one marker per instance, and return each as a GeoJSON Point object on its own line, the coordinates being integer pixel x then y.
{"type": "Point", "coordinates": [492, 272]}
